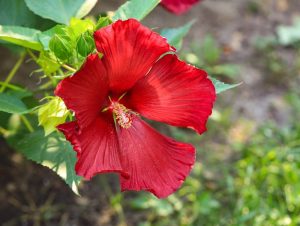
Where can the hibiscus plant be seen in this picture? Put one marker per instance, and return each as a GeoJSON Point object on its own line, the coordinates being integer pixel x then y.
{"type": "Point", "coordinates": [100, 81]}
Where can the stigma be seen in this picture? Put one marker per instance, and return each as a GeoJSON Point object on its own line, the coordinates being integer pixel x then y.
{"type": "Point", "coordinates": [122, 115]}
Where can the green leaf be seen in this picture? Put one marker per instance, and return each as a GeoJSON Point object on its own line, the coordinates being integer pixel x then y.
{"type": "Point", "coordinates": [16, 13]}
{"type": "Point", "coordinates": [135, 9]}
{"type": "Point", "coordinates": [176, 35]}
{"type": "Point", "coordinates": [19, 93]}
{"type": "Point", "coordinates": [21, 36]}
{"type": "Point", "coordinates": [12, 104]}
{"type": "Point", "coordinates": [161, 206]}
{"type": "Point", "coordinates": [103, 22]}
{"type": "Point", "coordinates": [61, 11]}
{"type": "Point", "coordinates": [230, 70]}
{"type": "Point", "coordinates": [45, 37]}
{"type": "Point", "coordinates": [47, 62]}
{"type": "Point", "coordinates": [52, 151]}
{"type": "Point", "coordinates": [221, 86]}
{"type": "Point", "coordinates": [85, 44]}
{"type": "Point", "coordinates": [78, 26]}
{"type": "Point", "coordinates": [62, 39]}
{"type": "Point", "coordinates": [288, 35]}
{"type": "Point", "coordinates": [61, 45]}
{"type": "Point", "coordinates": [85, 8]}
{"type": "Point", "coordinates": [51, 114]}
{"type": "Point", "coordinates": [210, 50]}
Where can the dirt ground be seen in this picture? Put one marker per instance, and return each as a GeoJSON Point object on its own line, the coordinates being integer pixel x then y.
{"type": "Point", "coordinates": [32, 195]}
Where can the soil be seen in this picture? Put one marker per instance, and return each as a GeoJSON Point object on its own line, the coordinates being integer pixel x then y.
{"type": "Point", "coordinates": [33, 195]}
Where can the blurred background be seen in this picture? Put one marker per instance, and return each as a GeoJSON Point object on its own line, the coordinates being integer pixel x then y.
{"type": "Point", "coordinates": [248, 162]}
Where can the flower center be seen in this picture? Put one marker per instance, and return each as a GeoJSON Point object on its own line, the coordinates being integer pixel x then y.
{"type": "Point", "coordinates": [122, 115]}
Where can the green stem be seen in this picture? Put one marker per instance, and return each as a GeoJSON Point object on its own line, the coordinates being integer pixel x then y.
{"type": "Point", "coordinates": [45, 85]}
{"type": "Point", "coordinates": [12, 72]}
{"type": "Point", "coordinates": [27, 123]}
{"type": "Point", "coordinates": [3, 131]}
{"type": "Point", "coordinates": [11, 86]}
{"type": "Point", "coordinates": [68, 67]}
{"type": "Point", "coordinates": [32, 55]}
{"type": "Point", "coordinates": [53, 80]}
{"type": "Point", "coordinates": [63, 65]}
{"type": "Point", "coordinates": [36, 61]}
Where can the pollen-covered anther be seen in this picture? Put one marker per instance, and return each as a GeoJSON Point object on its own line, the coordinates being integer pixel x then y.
{"type": "Point", "coordinates": [122, 115]}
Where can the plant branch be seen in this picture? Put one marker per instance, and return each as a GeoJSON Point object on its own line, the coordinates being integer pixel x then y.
{"type": "Point", "coordinates": [31, 54]}
{"type": "Point", "coordinates": [12, 72]}
{"type": "Point", "coordinates": [26, 123]}
{"type": "Point", "coordinates": [68, 67]}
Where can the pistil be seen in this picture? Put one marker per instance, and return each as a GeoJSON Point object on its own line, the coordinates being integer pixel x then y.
{"type": "Point", "coordinates": [123, 116]}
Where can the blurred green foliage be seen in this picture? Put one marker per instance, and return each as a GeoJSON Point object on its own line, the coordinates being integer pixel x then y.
{"type": "Point", "coordinates": [244, 175]}
{"type": "Point", "coordinates": [289, 35]}
{"type": "Point", "coordinates": [249, 175]}
{"type": "Point", "coordinates": [208, 55]}
{"type": "Point", "coordinates": [258, 184]}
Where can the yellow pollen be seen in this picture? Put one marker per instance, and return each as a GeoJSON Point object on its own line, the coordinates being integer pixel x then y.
{"type": "Point", "coordinates": [122, 115]}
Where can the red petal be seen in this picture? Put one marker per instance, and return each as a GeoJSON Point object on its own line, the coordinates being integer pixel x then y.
{"type": "Point", "coordinates": [178, 6]}
{"type": "Point", "coordinates": [130, 49]}
{"type": "Point", "coordinates": [96, 146]}
{"type": "Point", "coordinates": [85, 91]}
{"type": "Point", "coordinates": [175, 93]}
{"type": "Point", "coordinates": [154, 162]}
{"type": "Point", "coordinates": [71, 130]}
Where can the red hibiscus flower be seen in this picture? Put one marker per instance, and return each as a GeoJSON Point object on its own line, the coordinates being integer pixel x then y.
{"type": "Point", "coordinates": [178, 6]}
{"type": "Point", "coordinates": [136, 77]}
